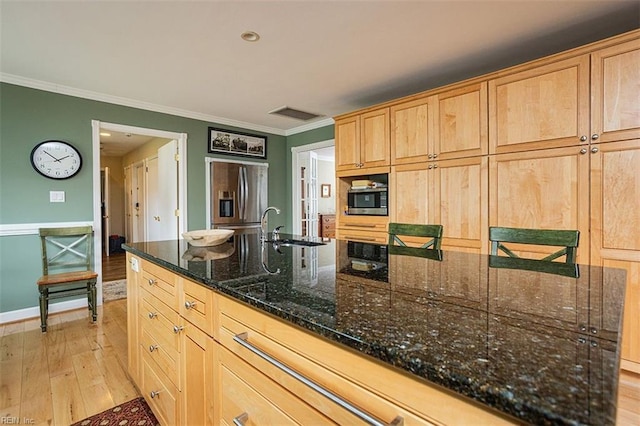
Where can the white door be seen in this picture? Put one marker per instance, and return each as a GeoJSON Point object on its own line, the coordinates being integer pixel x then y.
{"type": "Point", "coordinates": [162, 194]}
{"type": "Point", "coordinates": [138, 202]}
{"type": "Point", "coordinates": [308, 187]}
{"type": "Point", "coordinates": [106, 223]}
{"type": "Point", "coordinates": [128, 203]}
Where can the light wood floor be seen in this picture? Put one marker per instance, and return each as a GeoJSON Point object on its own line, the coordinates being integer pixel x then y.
{"type": "Point", "coordinates": [114, 267]}
{"type": "Point", "coordinates": [78, 369]}
{"type": "Point", "coordinates": [73, 371]}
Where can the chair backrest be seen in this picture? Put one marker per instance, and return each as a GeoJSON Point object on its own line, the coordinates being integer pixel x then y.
{"type": "Point", "coordinates": [567, 239]}
{"type": "Point", "coordinates": [405, 229]}
{"type": "Point", "coordinates": [66, 248]}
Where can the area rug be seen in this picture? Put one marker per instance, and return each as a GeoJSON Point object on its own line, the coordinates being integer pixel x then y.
{"type": "Point", "coordinates": [114, 290]}
{"type": "Point", "coordinates": [133, 413]}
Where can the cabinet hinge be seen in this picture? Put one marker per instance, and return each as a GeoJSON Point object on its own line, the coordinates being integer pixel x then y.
{"type": "Point", "coordinates": [176, 212]}
{"type": "Point", "coordinates": [176, 157]}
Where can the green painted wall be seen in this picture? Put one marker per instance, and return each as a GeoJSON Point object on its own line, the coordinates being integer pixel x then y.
{"type": "Point", "coordinates": [29, 116]}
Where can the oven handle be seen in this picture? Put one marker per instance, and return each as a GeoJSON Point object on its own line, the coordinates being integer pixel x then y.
{"type": "Point", "coordinates": [242, 339]}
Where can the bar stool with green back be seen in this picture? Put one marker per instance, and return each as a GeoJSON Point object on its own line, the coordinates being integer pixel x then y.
{"type": "Point", "coordinates": [406, 229]}
{"type": "Point", "coordinates": [66, 267]}
{"type": "Point", "coordinates": [567, 239]}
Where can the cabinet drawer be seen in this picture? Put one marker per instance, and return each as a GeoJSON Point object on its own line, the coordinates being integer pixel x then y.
{"type": "Point", "coordinates": [258, 326]}
{"type": "Point", "coordinates": [355, 234]}
{"type": "Point", "coordinates": [197, 305]}
{"type": "Point", "coordinates": [161, 283]}
{"type": "Point", "coordinates": [160, 393]}
{"type": "Point", "coordinates": [244, 390]}
{"type": "Point", "coordinates": [166, 358]}
{"type": "Point", "coordinates": [159, 321]}
{"type": "Point", "coordinates": [373, 387]}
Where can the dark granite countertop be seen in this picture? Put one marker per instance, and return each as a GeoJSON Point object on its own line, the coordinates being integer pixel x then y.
{"type": "Point", "coordinates": [543, 347]}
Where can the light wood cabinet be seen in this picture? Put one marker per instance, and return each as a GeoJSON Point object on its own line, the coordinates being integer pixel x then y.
{"type": "Point", "coordinates": [198, 377]}
{"type": "Point", "coordinates": [451, 124]}
{"type": "Point", "coordinates": [453, 193]}
{"type": "Point", "coordinates": [362, 141]}
{"type": "Point", "coordinates": [133, 282]}
{"type": "Point", "coordinates": [546, 189]}
{"type": "Point", "coordinates": [542, 107]}
{"type": "Point", "coordinates": [615, 220]}
{"type": "Point", "coordinates": [615, 90]}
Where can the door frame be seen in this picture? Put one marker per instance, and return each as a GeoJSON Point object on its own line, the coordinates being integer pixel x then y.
{"type": "Point", "coordinates": [96, 127]}
{"type": "Point", "coordinates": [296, 215]}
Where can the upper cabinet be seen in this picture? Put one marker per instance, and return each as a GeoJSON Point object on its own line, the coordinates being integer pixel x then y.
{"type": "Point", "coordinates": [549, 106]}
{"type": "Point", "coordinates": [362, 141]}
{"type": "Point", "coordinates": [451, 124]}
{"type": "Point", "coordinates": [615, 91]}
{"type": "Point", "coordinates": [542, 107]}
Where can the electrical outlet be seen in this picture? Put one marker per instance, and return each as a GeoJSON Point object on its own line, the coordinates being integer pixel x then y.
{"type": "Point", "coordinates": [135, 265]}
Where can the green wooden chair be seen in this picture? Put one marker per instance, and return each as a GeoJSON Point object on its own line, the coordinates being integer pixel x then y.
{"type": "Point", "coordinates": [66, 267]}
{"type": "Point", "coordinates": [567, 239]}
{"type": "Point", "coordinates": [405, 229]}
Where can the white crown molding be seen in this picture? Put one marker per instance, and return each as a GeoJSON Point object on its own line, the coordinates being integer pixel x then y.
{"type": "Point", "coordinates": [87, 94]}
{"type": "Point", "coordinates": [310, 126]}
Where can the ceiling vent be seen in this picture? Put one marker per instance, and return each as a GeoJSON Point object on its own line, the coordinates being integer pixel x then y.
{"type": "Point", "coordinates": [285, 111]}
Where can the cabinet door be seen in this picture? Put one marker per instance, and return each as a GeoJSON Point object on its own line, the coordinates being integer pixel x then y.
{"type": "Point", "coordinates": [412, 131]}
{"type": "Point", "coordinates": [409, 194]}
{"type": "Point", "coordinates": [615, 220]}
{"type": "Point", "coordinates": [615, 88]}
{"type": "Point", "coordinates": [133, 355]}
{"type": "Point", "coordinates": [547, 189]}
{"type": "Point", "coordinates": [197, 369]}
{"type": "Point", "coordinates": [374, 143]}
{"type": "Point", "coordinates": [461, 122]}
{"type": "Point", "coordinates": [543, 107]}
{"type": "Point", "coordinates": [347, 143]}
{"type": "Point", "coordinates": [459, 202]}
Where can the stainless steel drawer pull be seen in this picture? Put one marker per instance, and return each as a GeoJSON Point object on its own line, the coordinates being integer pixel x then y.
{"type": "Point", "coordinates": [177, 328]}
{"type": "Point", "coordinates": [152, 315]}
{"type": "Point", "coordinates": [151, 281]}
{"type": "Point", "coordinates": [153, 394]}
{"type": "Point", "coordinates": [242, 339]}
{"type": "Point", "coordinates": [189, 305]}
{"type": "Point", "coordinates": [241, 419]}
{"type": "Point", "coordinates": [153, 348]}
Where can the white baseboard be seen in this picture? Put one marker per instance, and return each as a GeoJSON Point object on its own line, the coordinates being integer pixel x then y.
{"type": "Point", "coordinates": [34, 312]}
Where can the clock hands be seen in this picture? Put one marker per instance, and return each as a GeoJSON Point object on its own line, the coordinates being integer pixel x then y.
{"type": "Point", "coordinates": [56, 159]}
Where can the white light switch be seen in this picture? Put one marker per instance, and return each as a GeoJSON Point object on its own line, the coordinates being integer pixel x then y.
{"type": "Point", "coordinates": [56, 196]}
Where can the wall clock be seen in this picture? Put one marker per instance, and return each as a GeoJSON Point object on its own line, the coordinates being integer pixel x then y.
{"type": "Point", "coordinates": [56, 159]}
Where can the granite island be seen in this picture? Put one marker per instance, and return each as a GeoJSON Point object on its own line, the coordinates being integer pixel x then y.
{"type": "Point", "coordinates": [527, 346]}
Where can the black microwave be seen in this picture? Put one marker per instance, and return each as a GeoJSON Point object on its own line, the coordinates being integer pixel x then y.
{"type": "Point", "coordinates": [368, 201]}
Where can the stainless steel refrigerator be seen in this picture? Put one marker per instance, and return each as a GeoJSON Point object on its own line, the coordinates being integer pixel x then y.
{"type": "Point", "coordinates": [238, 195]}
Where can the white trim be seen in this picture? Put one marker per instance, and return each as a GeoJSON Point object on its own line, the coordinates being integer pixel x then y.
{"type": "Point", "coordinates": [97, 211]}
{"type": "Point", "coordinates": [310, 126]}
{"type": "Point", "coordinates": [32, 228]}
{"type": "Point", "coordinates": [117, 100]}
{"type": "Point", "coordinates": [34, 312]}
{"type": "Point", "coordinates": [296, 215]}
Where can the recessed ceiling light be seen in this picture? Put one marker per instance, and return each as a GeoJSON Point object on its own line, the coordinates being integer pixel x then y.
{"type": "Point", "coordinates": [105, 134]}
{"type": "Point", "coordinates": [250, 36]}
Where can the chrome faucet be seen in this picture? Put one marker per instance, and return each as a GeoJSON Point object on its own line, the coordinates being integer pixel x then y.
{"type": "Point", "coordinates": [263, 222]}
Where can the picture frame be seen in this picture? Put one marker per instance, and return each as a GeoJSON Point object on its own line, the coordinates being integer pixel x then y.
{"type": "Point", "coordinates": [325, 190]}
{"type": "Point", "coordinates": [222, 141]}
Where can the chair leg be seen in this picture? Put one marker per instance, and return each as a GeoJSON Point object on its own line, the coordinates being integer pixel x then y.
{"type": "Point", "coordinates": [93, 300]}
{"type": "Point", "coordinates": [44, 305]}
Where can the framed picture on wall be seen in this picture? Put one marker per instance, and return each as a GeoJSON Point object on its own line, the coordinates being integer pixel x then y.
{"type": "Point", "coordinates": [223, 141]}
{"type": "Point", "coordinates": [325, 190]}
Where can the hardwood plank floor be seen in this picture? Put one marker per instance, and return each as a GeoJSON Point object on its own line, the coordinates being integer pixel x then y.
{"type": "Point", "coordinates": [114, 267]}
{"type": "Point", "coordinates": [78, 369]}
{"type": "Point", "coordinates": [73, 371]}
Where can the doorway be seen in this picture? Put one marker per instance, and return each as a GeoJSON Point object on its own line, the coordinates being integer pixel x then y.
{"type": "Point", "coordinates": [126, 220]}
{"type": "Point", "coordinates": [313, 168]}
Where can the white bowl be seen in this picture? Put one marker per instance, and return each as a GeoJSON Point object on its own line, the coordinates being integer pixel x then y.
{"type": "Point", "coordinates": [209, 253]}
{"type": "Point", "coordinates": [207, 237]}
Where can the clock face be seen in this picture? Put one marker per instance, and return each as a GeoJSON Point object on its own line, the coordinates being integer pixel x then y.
{"type": "Point", "coordinates": [56, 159]}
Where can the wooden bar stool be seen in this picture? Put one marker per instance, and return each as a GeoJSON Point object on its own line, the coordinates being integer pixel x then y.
{"type": "Point", "coordinates": [66, 268]}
